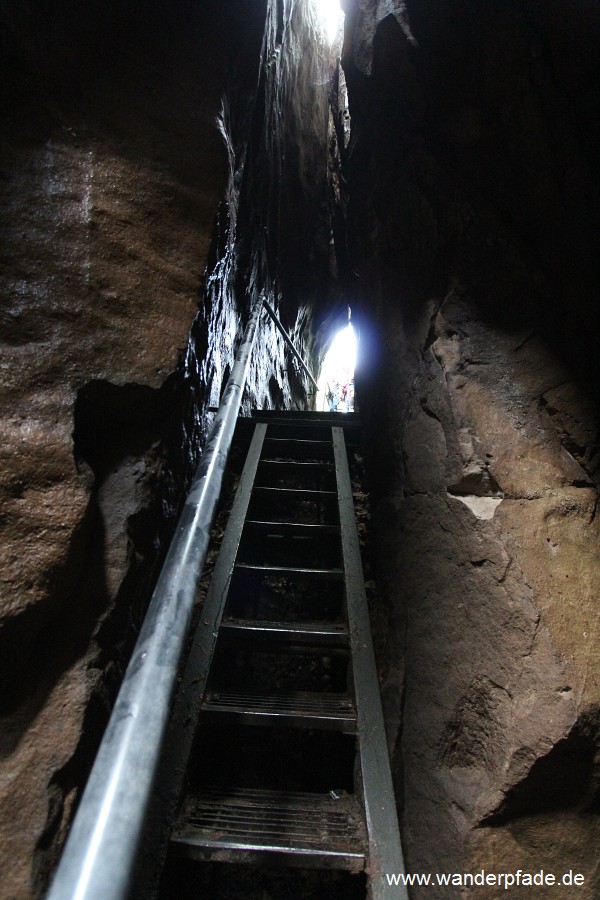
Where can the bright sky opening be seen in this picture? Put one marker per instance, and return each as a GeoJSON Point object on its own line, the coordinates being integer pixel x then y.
{"type": "Point", "coordinates": [331, 16]}
{"type": "Point", "coordinates": [337, 372]}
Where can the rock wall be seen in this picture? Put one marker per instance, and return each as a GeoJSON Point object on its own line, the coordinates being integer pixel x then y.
{"type": "Point", "coordinates": [463, 211]}
{"type": "Point", "coordinates": [472, 209]}
{"type": "Point", "coordinates": [129, 130]}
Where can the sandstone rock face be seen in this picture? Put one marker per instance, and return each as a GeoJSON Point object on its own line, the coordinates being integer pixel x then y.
{"type": "Point", "coordinates": [471, 208]}
{"type": "Point", "coordinates": [117, 153]}
{"type": "Point", "coordinates": [466, 188]}
{"type": "Point", "coordinates": [111, 180]}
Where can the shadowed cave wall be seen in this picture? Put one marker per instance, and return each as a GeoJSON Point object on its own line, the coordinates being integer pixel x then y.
{"type": "Point", "coordinates": [459, 222]}
{"type": "Point", "coordinates": [144, 194]}
{"type": "Point", "coordinates": [472, 226]}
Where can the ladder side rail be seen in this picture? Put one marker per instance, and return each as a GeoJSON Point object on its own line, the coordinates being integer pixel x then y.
{"type": "Point", "coordinates": [197, 666]}
{"type": "Point", "coordinates": [99, 857]}
{"type": "Point", "coordinates": [183, 723]}
{"type": "Point", "coordinates": [385, 849]}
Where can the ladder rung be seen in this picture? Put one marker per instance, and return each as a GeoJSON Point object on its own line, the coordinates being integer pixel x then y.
{"type": "Point", "coordinates": [297, 493]}
{"type": "Point", "coordinates": [244, 824]}
{"type": "Point", "coordinates": [290, 570]}
{"type": "Point", "coordinates": [297, 466]}
{"type": "Point", "coordinates": [304, 442]}
{"type": "Point", "coordinates": [304, 466]}
{"type": "Point", "coordinates": [305, 632]}
{"type": "Point", "coordinates": [291, 528]}
{"type": "Point", "coordinates": [298, 415]}
{"type": "Point", "coordinates": [295, 708]}
{"type": "Point", "coordinates": [298, 449]}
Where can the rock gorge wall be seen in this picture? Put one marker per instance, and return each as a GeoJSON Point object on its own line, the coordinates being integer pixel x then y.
{"type": "Point", "coordinates": [464, 214]}
{"type": "Point", "coordinates": [472, 210]}
{"type": "Point", "coordinates": [115, 344]}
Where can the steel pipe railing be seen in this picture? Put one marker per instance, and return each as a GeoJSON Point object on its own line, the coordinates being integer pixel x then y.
{"type": "Point", "coordinates": [100, 854]}
{"type": "Point", "coordinates": [288, 340]}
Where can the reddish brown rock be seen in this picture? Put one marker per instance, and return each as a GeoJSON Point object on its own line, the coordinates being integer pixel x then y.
{"type": "Point", "coordinates": [118, 153]}
{"type": "Point", "coordinates": [467, 173]}
{"type": "Point", "coordinates": [112, 174]}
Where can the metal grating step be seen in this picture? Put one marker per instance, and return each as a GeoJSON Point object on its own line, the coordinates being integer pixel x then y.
{"type": "Point", "coordinates": [296, 442]}
{"type": "Point", "coordinates": [287, 474]}
{"type": "Point", "coordinates": [295, 504]}
{"type": "Point", "coordinates": [298, 417]}
{"type": "Point", "coordinates": [297, 449]}
{"type": "Point", "coordinates": [331, 634]}
{"type": "Point", "coordinates": [318, 829]}
{"type": "Point", "coordinates": [296, 708]}
{"type": "Point", "coordinates": [298, 465]}
{"type": "Point", "coordinates": [290, 570]}
{"type": "Point", "coordinates": [290, 528]}
{"type": "Point", "coordinates": [296, 493]}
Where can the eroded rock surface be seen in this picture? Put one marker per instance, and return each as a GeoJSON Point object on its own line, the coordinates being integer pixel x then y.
{"type": "Point", "coordinates": [125, 134]}
{"type": "Point", "coordinates": [471, 205]}
{"type": "Point", "coordinates": [112, 173]}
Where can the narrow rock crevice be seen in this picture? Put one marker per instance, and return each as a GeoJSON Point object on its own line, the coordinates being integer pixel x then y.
{"type": "Point", "coordinates": [161, 171]}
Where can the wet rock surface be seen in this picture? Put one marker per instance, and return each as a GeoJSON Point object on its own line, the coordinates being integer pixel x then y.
{"type": "Point", "coordinates": [118, 151]}
{"type": "Point", "coordinates": [111, 175]}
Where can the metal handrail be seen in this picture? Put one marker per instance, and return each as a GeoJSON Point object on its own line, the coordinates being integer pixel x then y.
{"type": "Point", "coordinates": [288, 340]}
{"type": "Point", "coordinates": [100, 854]}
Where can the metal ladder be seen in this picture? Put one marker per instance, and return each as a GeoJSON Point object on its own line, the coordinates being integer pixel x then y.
{"type": "Point", "coordinates": [284, 642]}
